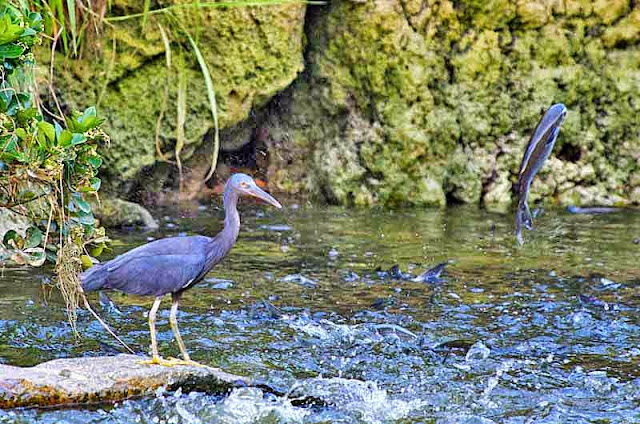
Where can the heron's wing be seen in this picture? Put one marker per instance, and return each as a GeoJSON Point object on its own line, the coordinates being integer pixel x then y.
{"type": "Point", "coordinates": [192, 245]}
{"type": "Point", "coordinates": [156, 275]}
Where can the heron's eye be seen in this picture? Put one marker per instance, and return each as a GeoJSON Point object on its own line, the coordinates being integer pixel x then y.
{"type": "Point", "coordinates": [244, 185]}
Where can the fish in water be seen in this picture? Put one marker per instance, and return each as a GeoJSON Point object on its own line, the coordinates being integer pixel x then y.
{"type": "Point", "coordinates": [591, 210]}
{"type": "Point", "coordinates": [538, 150]}
{"type": "Point", "coordinates": [432, 275]}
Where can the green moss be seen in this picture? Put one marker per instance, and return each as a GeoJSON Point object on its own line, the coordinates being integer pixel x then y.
{"type": "Point", "coordinates": [463, 179]}
{"type": "Point", "coordinates": [252, 53]}
{"type": "Point", "coordinates": [449, 94]}
{"type": "Point", "coordinates": [610, 10]}
{"type": "Point", "coordinates": [486, 13]}
{"type": "Point", "coordinates": [402, 102]}
{"type": "Point", "coordinates": [626, 31]}
{"type": "Point", "coordinates": [533, 13]}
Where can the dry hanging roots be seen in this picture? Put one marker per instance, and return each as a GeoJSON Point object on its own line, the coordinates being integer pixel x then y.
{"type": "Point", "coordinates": [68, 268]}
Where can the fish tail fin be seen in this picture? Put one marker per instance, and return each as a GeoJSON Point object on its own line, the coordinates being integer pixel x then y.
{"type": "Point", "coordinates": [436, 270]}
{"type": "Point", "coordinates": [523, 218]}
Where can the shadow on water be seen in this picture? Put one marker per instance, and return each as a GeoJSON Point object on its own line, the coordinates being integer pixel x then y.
{"type": "Point", "coordinates": [548, 332]}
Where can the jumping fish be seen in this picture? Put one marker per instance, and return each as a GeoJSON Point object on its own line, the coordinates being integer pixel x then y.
{"type": "Point", "coordinates": [538, 150]}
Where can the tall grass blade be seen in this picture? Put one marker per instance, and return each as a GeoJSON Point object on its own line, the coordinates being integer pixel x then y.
{"type": "Point", "coordinates": [212, 103]}
{"type": "Point", "coordinates": [182, 115]}
{"type": "Point", "coordinates": [145, 10]}
{"type": "Point", "coordinates": [57, 10]}
{"type": "Point", "coordinates": [71, 10]}
{"type": "Point", "coordinates": [165, 97]}
{"type": "Point", "coordinates": [110, 68]}
{"type": "Point", "coordinates": [198, 21]}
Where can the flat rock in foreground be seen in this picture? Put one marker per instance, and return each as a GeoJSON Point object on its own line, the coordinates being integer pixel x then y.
{"type": "Point", "coordinates": [103, 379]}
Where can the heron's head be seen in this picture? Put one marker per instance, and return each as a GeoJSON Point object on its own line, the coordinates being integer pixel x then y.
{"type": "Point", "coordinates": [246, 186]}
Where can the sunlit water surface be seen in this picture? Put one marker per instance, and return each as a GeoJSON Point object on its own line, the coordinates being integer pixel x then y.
{"type": "Point", "coordinates": [544, 333]}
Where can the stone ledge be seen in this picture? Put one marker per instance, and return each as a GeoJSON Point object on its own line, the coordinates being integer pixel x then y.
{"type": "Point", "coordinates": [103, 379]}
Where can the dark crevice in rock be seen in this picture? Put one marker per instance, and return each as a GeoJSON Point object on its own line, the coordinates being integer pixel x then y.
{"type": "Point", "coordinates": [408, 16]}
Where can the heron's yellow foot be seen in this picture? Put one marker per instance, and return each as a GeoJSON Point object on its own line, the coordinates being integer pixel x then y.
{"type": "Point", "coordinates": [157, 360]}
{"type": "Point", "coordinates": [187, 362]}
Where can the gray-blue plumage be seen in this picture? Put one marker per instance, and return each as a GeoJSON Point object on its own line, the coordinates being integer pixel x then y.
{"type": "Point", "coordinates": [164, 266]}
{"type": "Point", "coordinates": [168, 265]}
{"type": "Point", "coordinates": [173, 265]}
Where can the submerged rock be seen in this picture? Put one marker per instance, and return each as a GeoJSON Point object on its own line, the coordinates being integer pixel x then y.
{"type": "Point", "coordinates": [11, 221]}
{"type": "Point", "coordinates": [120, 213]}
{"type": "Point", "coordinates": [103, 379]}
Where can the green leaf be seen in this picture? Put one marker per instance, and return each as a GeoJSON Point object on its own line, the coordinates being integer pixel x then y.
{"type": "Point", "coordinates": [21, 157]}
{"type": "Point", "coordinates": [25, 99]}
{"type": "Point", "coordinates": [58, 129]}
{"type": "Point", "coordinates": [6, 95]}
{"type": "Point", "coordinates": [35, 21]}
{"type": "Point", "coordinates": [84, 218]}
{"type": "Point", "coordinates": [97, 251]}
{"type": "Point", "coordinates": [42, 140]}
{"type": "Point", "coordinates": [90, 111]}
{"type": "Point", "coordinates": [9, 145]}
{"type": "Point", "coordinates": [81, 123]}
{"type": "Point", "coordinates": [26, 195]}
{"type": "Point", "coordinates": [9, 31]}
{"type": "Point", "coordinates": [11, 51]}
{"type": "Point", "coordinates": [51, 257]}
{"type": "Point", "coordinates": [34, 237]}
{"type": "Point", "coordinates": [12, 236]}
{"type": "Point", "coordinates": [34, 256]}
{"type": "Point", "coordinates": [48, 130]}
{"type": "Point", "coordinates": [95, 161]}
{"type": "Point", "coordinates": [78, 139]}
{"type": "Point", "coordinates": [82, 204]}
{"type": "Point", "coordinates": [87, 261]}
{"type": "Point", "coordinates": [64, 138]}
{"type": "Point", "coordinates": [95, 183]}
{"type": "Point", "coordinates": [21, 133]}
{"type": "Point", "coordinates": [26, 115]}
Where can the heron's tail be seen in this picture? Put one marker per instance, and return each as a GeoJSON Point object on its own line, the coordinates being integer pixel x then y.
{"type": "Point", "coordinates": [523, 218]}
{"type": "Point", "coordinates": [94, 278]}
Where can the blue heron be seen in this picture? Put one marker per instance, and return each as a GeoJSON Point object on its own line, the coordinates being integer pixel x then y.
{"type": "Point", "coordinates": [173, 265]}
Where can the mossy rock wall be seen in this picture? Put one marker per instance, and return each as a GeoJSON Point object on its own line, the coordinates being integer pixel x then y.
{"type": "Point", "coordinates": [429, 101]}
{"type": "Point", "coordinates": [252, 53]}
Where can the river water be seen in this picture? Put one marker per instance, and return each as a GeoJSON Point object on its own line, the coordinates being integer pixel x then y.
{"type": "Point", "coordinates": [544, 333]}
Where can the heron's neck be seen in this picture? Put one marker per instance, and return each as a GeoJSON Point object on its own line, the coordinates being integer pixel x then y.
{"type": "Point", "coordinates": [231, 217]}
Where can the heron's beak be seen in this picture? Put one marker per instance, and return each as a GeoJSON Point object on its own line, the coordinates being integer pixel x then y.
{"type": "Point", "coordinates": [256, 191]}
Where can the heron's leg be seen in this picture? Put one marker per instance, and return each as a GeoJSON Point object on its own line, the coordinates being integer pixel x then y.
{"type": "Point", "coordinates": [155, 357]}
{"type": "Point", "coordinates": [173, 320]}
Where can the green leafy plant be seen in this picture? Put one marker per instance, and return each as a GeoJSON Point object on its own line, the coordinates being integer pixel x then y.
{"type": "Point", "coordinates": [73, 21]}
{"type": "Point", "coordinates": [47, 172]}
